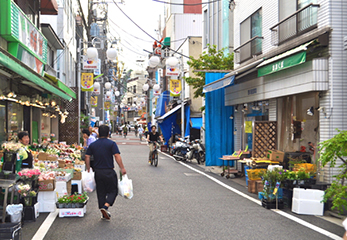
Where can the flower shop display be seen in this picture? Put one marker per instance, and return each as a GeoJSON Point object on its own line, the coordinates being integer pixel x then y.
{"type": "Point", "coordinates": [10, 150]}
{"type": "Point", "coordinates": [72, 206]}
{"type": "Point", "coordinates": [27, 194]}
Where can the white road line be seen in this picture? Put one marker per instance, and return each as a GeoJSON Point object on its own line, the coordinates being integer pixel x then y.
{"type": "Point", "coordinates": [42, 231]}
{"type": "Point", "coordinates": [291, 217]}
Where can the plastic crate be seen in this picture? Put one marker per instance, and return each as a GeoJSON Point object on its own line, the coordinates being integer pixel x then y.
{"type": "Point", "coordinates": [11, 231]}
{"type": "Point", "coordinates": [253, 174]}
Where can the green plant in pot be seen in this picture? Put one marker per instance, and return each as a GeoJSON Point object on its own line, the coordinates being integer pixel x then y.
{"type": "Point", "coordinates": [271, 180]}
{"type": "Point", "coordinates": [333, 152]}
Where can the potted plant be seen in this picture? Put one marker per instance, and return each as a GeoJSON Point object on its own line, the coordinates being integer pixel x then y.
{"type": "Point", "coordinates": [272, 183]}
{"type": "Point", "coordinates": [73, 201]}
{"type": "Point", "coordinates": [27, 194]}
{"type": "Point", "coordinates": [333, 151]}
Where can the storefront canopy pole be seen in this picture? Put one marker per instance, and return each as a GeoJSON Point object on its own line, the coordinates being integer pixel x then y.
{"type": "Point", "coordinates": [16, 67]}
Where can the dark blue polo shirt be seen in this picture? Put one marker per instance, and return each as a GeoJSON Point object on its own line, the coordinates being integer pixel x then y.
{"type": "Point", "coordinates": [103, 150]}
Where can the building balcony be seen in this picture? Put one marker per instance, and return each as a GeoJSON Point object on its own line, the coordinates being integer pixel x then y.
{"type": "Point", "coordinates": [300, 22]}
{"type": "Point", "coordinates": [249, 49]}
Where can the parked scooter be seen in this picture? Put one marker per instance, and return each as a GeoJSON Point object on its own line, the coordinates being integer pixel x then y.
{"type": "Point", "coordinates": [196, 151]}
{"type": "Point", "coordinates": [180, 149]}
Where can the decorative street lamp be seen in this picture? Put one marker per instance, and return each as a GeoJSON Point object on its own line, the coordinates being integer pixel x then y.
{"type": "Point", "coordinates": [145, 87]}
{"type": "Point", "coordinates": [172, 61]}
{"type": "Point", "coordinates": [108, 85]}
{"type": "Point", "coordinates": [92, 53]}
{"type": "Point", "coordinates": [154, 61]}
{"type": "Point", "coordinates": [111, 53]}
{"type": "Point", "coordinates": [156, 87]}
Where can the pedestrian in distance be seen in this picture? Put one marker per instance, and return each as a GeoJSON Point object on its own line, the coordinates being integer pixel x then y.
{"type": "Point", "coordinates": [125, 131]}
{"type": "Point", "coordinates": [140, 132]}
{"type": "Point", "coordinates": [136, 129]}
{"type": "Point", "coordinates": [106, 179]}
{"type": "Point", "coordinates": [153, 138]}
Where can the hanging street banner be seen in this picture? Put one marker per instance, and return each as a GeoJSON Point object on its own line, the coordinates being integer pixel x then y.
{"type": "Point", "coordinates": [89, 63]}
{"type": "Point", "coordinates": [107, 98]}
{"type": "Point", "coordinates": [107, 105]}
{"type": "Point", "coordinates": [87, 82]}
{"type": "Point", "coordinates": [98, 71]}
{"type": "Point", "coordinates": [175, 87]}
{"type": "Point", "coordinates": [172, 71]}
{"type": "Point", "coordinates": [94, 101]}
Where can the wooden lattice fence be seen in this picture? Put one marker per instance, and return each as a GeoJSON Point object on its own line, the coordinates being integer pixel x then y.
{"type": "Point", "coordinates": [264, 137]}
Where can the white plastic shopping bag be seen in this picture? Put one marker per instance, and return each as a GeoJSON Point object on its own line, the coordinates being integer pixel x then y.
{"type": "Point", "coordinates": [125, 187]}
{"type": "Point", "coordinates": [88, 181]}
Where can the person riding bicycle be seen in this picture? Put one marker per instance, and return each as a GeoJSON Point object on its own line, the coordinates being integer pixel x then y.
{"type": "Point", "coordinates": [152, 138]}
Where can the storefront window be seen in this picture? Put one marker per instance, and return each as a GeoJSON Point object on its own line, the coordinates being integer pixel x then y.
{"type": "Point", "coordinates": [2, 122]}
{"type": "Point", "coordinates": [15, 120]}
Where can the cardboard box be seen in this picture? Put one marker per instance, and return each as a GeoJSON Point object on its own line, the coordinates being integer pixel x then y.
{"type": "Point", "coordinates": [52, 158]}
{"type": "Point", "coordinates": [72, 212]}
{"type": "Point", "coordinates": [47, 185]}
{"type": "Point", "coordinates": [68, 187]}
{"type": "Point", "coordinates": [259, 187]}
{"type": "Point", "coordinates": [251, 186]}
{"type": "Point", "coordinates": [77, 175]}
{"type": "Point", "coordinates": [61, 163]}
{"type": "Point", "coordinates": [65, 178]}
{"type": "Point", "coordinates": [42, 156]}
{"type": "Point", "coordinates": [275, 155]}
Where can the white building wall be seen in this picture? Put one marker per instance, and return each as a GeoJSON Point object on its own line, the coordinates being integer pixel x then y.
{"type": "Point", "coordinates": [186, 25]}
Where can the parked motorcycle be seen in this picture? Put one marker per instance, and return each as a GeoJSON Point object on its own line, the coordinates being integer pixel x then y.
{"type": "Point", "coordinates": [180, 149]}
{"type": "Point", "coordinates": [196, 150]}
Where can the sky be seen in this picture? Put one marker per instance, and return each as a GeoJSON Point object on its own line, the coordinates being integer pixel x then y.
{"type": "Point", "coordinates": [144, 13]}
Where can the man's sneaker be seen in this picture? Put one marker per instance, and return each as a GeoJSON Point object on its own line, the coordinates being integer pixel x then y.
{"type": "Point", "coordinates": [105, 214]}
{"type": "Point", "coordinates": [149, 161]}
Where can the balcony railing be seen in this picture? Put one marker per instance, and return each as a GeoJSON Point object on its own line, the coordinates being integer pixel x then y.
{"type": "Point", "coordinates": [249, 49]}
{"type": "Point", "coordinates": [303, 20]}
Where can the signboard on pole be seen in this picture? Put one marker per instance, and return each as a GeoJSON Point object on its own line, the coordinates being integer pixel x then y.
{"type": "Point", "coordinates": [172, 71]}
{"type": "Point", "coordinates": [89, 63]}
{"type": "Point", "coordinates": [107, 105]}
{"type": "Point", "coordinates": [97, 71]}
{"type": "Point", "coordinates": [175, 87]}
{"type": "Point", "coordinates": [94, 101]}
{"type": "Point", "coordinates": [87, 82]}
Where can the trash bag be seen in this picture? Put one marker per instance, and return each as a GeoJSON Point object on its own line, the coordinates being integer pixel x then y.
{"type": "Point", "coordinates": [15, 211]}
{"type": "Point", "coordinates": [88, 181]}
{"type": "Point", "coordinates": [125, 187]}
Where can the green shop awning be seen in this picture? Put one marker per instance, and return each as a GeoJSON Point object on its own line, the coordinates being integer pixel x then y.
{"type": "Point", "coordinates": [21, 70]}
{"type": "Point", "coordinates": [283, 61]}
{"type": "Point", "coordinates": [61, 85]}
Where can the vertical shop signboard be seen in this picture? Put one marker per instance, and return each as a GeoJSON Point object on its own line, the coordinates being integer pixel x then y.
{"type": "Point", "coordinates": [87, 82]}
{"type": "Point", "coordinates": [94, 101]}
{"type": "Point", "coordinates": [25, 41]}
{"type": "Point", "coordinates": [175, 87]}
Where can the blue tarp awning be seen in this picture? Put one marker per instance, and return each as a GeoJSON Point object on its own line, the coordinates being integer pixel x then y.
{"type": "Point", "coordinates": [218, 84]}
{"type": "Point", "coordinates": [196, 122]}
{"type": "Point", "coordinates": [219, 127]}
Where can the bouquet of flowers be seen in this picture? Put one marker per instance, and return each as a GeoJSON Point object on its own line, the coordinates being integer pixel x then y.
{"type": "Point", "coordinates": [25, 191]}
{"type": "Point", "coordinates": [11, 147]}
{"type": "Point", "coordinates": [29, 174]}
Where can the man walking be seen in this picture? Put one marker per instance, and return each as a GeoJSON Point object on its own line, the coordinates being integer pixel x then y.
{"type": "Point", "coordinates": [106, 180]}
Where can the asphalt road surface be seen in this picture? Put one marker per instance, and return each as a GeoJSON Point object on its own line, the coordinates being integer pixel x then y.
{"type": "Point", "coordinates": [181, 201]}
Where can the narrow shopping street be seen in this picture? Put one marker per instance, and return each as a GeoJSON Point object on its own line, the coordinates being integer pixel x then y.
{"type": "Point", "coordinates": [180, 201]}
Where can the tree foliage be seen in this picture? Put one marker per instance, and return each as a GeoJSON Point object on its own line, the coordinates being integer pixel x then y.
{"type": "Point", "coordinates": [213, 59]}
{"type": "Point", "coordinates": [330, 151]}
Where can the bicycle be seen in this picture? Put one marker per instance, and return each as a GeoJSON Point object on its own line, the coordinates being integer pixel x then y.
{"type": "Point", "coordinates": [154, 160]}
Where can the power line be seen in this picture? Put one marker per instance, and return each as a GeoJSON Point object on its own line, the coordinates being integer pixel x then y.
{"type": "Point", "coordinates": [186, 4]}
{"type": "Point", "coordinates": [145, 31]}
